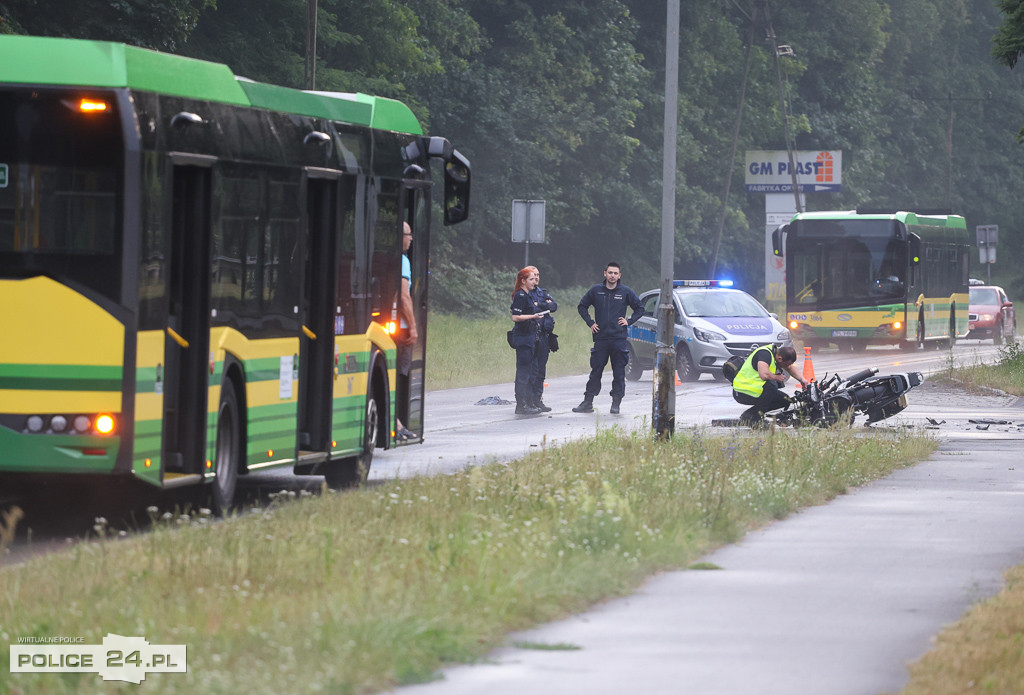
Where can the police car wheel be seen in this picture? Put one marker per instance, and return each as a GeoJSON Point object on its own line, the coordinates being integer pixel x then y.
{"type": "Point", "coordinates": [633, 368]}
{"type": "Point", "coordinates": [686, 370]}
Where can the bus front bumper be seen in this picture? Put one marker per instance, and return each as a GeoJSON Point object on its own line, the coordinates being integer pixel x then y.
{"type": "Point", "coordinates": [56, 453]}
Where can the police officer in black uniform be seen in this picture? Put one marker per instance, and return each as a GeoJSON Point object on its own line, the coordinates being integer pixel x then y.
{"type": "Point", "coordinates": [609, 327]}
{"type": "Point", "coordinates": [542, 301]}
{"type": "Point", "coordinates": [526, 329]}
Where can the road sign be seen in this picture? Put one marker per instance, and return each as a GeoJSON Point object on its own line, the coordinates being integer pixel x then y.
{"type": "Point", "coordinates": [988, 237]}
{"type": "Point", "coordinates": [528, 221]}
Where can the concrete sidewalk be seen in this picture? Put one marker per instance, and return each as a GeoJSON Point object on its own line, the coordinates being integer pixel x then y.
{"type": "Point", "coordinates": [835, 599]}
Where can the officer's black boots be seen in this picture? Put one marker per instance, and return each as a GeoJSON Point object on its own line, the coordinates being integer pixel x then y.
{"type": "Point", "coordinates": [524, 408]}
{"type": "Point", "coordinates": [587, 406]}
{"type": "Point", "coordinates": [539, 404]}
{"type": "Point", "coordinates": [615, 406]}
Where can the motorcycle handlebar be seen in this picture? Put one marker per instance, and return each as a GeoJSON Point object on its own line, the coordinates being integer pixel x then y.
{"type": "Point", "coordinates": [861, 375]}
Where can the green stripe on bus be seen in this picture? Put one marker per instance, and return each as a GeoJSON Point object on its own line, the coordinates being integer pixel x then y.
{"type": "Point", "coordinates": [59, 377]}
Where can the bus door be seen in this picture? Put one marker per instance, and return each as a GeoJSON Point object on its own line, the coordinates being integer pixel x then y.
{"type": "Point", "coordinates": [316, 344]}
{"type": "Point", "coordinates": [187, 340]}
{"type": "Point", "coordinates": [410, 388]}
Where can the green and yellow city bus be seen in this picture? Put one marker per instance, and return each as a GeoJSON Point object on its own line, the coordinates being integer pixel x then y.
{"type": "Point", "coordinates": [875, 277]}
{"type": "Point", "coordinates": [199, 274]}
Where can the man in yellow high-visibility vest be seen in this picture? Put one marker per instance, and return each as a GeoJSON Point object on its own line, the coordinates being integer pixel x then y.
{"type": "Point", "coordinates": [757, 382]}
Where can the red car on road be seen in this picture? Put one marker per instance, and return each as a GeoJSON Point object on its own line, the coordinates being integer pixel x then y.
{"type": "Point", "coordinates": [991, 314]}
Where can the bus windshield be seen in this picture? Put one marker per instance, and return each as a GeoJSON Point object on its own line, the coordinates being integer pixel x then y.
{"type": "Point", "coordinates": [60, 169]}
{"type": "Point", "coordinates": [841, 263]}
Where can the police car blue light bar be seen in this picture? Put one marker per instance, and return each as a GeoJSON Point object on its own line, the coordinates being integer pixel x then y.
{"type": "Point", "coordinates": [702, 283]}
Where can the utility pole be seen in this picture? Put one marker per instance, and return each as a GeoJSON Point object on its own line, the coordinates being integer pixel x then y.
{"type": "Point", "coordinates": [782, 101]}
{"type": "Point", "coordinates": [310, 75]}
{"type": "Point", "coordinates": [664, 408]}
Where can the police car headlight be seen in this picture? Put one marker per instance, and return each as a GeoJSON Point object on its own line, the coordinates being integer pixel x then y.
{"type": "Point", "coordinates": [707, 336]}
{"type": "Point", "coordinates": [783, 335]}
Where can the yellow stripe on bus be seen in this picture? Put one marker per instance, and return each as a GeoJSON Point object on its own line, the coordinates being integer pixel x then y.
{"type": "Point", "coordinates": [18, 401]}
{"type": "Point", "coordinates": [56, 325]}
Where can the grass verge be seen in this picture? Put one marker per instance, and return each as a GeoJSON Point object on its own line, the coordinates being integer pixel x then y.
{"type": "Point", "coordinates": [473, 351]}
{"type": "Point", "coordinates": [1006, 375]}
{"type": "Point", "coordinates": [361, 591]}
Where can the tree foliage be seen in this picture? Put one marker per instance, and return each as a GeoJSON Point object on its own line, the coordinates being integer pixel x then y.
{"type": "Point", "coordinates": [159, 24]}
{"type": "Point", "coordinates": [562, 100]}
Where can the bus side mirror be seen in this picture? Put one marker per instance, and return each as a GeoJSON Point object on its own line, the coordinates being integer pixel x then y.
{"type": "Point", "coordinates": [777, 240]}
{"type": "Point", "coordinates": [456, 188]}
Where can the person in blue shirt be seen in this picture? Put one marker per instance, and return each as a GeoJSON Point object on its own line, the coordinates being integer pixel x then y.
{"type": "Point", "coordinates": [408, 335]}
{"type": "Point", "coordinates": [525, 333]}
{"type": "Point", "coordinates": [609, 326]}
{"type": "Point", "coordinates": [542, 301]}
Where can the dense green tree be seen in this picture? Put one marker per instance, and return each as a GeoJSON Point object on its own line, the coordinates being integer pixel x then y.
{"type": "Point", "coordinates": [562, 100]}
{"type": "Point", "coordinates": [546, 112]}
{"type": "Point", "coordinates": [159, 24]}
{"type": "Point", "coordinates": [1008, 44]}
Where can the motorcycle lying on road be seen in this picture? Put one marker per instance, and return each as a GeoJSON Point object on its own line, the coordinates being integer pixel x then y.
{"type": "Point", "coordinates": [824, 403]}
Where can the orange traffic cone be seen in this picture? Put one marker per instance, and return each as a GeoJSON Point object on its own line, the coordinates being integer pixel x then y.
{"type": "Point", "coordinates": [676, 374]}
{"type": "Point", "coordinates": [808, 366]}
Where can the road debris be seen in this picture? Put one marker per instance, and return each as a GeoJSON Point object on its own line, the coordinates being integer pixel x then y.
{"type": "Point", "coordinates": [493, 400]}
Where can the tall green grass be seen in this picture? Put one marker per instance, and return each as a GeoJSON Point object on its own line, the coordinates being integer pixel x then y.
{"type": "Point", "coordinates": [357, 592]}
{"type": "Point", "coordinates": [471, 351]}
{"type": "Point", "coordinates": [1006, 375]}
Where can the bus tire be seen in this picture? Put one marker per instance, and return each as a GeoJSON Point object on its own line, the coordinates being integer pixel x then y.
{"type": "Point", "coordinates": [227, 457]}
{"type": "Point", "coordinates": [351, 472]}
{"type": "Point", "coordinates": [633, 368]}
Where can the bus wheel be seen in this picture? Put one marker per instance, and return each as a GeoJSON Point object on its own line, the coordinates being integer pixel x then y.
{"type": "Point", "coordinates": [685, 368]}
{"type": "Point", "coordinates": [633, 368]}
{"type": "Point", "coordinates": [352, 471]}
{"type": "Point", "coordinates": [229, 450]}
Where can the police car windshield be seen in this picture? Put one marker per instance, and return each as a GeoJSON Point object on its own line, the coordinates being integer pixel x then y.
{"type": "Point", "coordinates": [720, 303]}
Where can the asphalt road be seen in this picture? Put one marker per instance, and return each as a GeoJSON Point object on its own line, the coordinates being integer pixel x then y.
{"type": "Point", "coordinates": [836, 599]}
{"type": "Point", "coordinates": [461, 433]}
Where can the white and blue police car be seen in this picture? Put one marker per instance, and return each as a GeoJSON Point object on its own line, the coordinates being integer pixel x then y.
{"type": "Point", "coordinates": [714, 322]}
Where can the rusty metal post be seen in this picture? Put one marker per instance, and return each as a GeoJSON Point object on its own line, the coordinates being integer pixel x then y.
{"type": "Point", "coordinates": [663, 414]}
